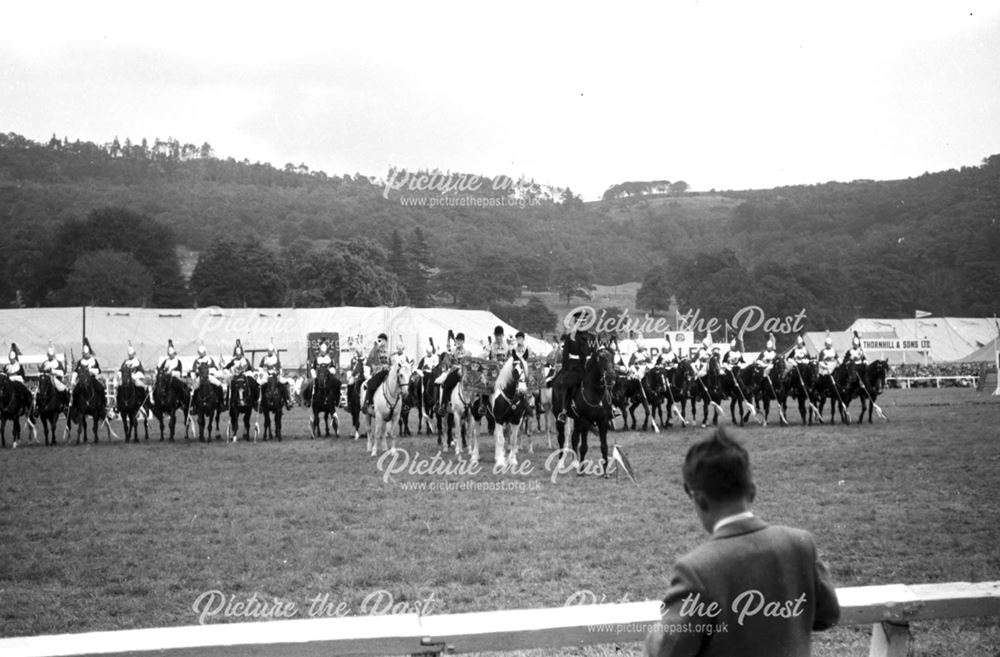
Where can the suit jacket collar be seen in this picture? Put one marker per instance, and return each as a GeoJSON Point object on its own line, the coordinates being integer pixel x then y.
{"type": "Point", "coordinates": [740, 527]}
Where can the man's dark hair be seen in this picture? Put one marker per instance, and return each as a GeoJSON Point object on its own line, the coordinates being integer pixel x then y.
{"type": "Point", "coordinates": [719, 467]}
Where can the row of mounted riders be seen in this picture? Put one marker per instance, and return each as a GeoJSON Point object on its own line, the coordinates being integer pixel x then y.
{"type": "Point", "coordinates": [169, 396]}
{"type": "Point", "coordinates": [663, 394]}
{"type": "Point", "coordinates": [751, 389]}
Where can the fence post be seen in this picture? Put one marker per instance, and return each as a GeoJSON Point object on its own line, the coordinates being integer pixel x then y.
{"type": "Point", "coordinates": [890, 639]}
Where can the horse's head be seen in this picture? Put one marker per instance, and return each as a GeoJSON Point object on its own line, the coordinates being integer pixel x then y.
{"type": "Point", "coordinates": [126, 372]}
{"type": "Point", "coordinates": [204, 369]}
{"type": "Point", "coordinates": [403, 373]}
{"type": "Point", "coordinates": [605, 367]}
{"type": "Point", "coordinates": [83, 373]}
{"type": "Point", "coordinates": [511, 377]}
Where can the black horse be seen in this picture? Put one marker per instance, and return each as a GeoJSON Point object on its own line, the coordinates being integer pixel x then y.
{"type": "Point", "coordinates": [413, 400]}
{"type": "Point", "coordinates": [677, 390]}
{"type": "Point", "coordinates": [640, 391]}
{"type": "Point", "coordinates": [272, 403]}
{"type": "Point", "coordinates": [206, 404]}
{"type": "Point", "coordinates": [170, 394]}
{"type": "Point", "coordinates": [324, 397]}
{"type": "Point", "coordinates": [708, 390]}
{"type": "Point", "coordinates": [832, 386]}
{"type": "Point", "coordinates": [742, 386]}
{"type": "Point", "coordinates": [244, 392]}
{"type": "Point", "coordinates": [50, 403]}
{"type": "Point", "coordinates": [801, 386]}
{"type": "Point", "coordinates": [870, 384]}
{"type": "Point", "coordinates": [87, 400]}
{"type": "Point", "coordinates": [772, 388]}
{"type": "Point", "coordinates": [354, 398]}
{"type": "Point", "coordinates": [132, 400]}
{"type": "Point", "coordinates": [15, 403]}
{"type": "Point", "coordinates": [590, 404]}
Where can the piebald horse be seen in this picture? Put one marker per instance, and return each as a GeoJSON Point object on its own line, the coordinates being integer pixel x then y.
{"type": "Point", "coordinates": [508, 405]}
{"type": "Point", "coordinates": [387, 404]}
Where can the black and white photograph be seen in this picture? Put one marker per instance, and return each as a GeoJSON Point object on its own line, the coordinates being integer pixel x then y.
{"type": "Point", "coordinates": [646, 329]}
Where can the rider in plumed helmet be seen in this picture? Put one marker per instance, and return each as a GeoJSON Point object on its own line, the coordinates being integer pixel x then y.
{"type": "Point", "coordinates": [171, 362]}
{"type": "Point", "coordinates": [828, 356]}
{"type": "Point", "coordinates": [765, 359]}
{"type": "Point", "coordinates": [271, 363]}
{"type": "Point", "coordinates": [856, 354]}
{"type": "Point", "coordinates": [14, 372]}
{"type": "Point", "coordinates": [89, 360]}
{"type": "Point", "coordinates": [54, 367]}
{"type": "Point", "coordinates": [134, 367]}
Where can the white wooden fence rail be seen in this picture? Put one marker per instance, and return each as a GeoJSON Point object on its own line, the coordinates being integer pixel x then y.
{"type": "Point", "coordinates": [888, 608]}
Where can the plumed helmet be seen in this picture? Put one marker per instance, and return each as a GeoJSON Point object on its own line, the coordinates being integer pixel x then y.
{"type": "Point", "coordinates": [666, 339]}
{"type": "Point", "coordinates": [323, 347]}
{"type": "Point", "coordinates": [770, 341]}
{"type": "Point", "coordinates": [705, 342]}
{"type": "Point", "coordinates": [800, 341]}
{"type": "Point", "coordinates": [131, 349]}
{"type": "Point", "coordinates": [238, 349]}
{"type": "Point", "coordinates": [51, 351]}
{"type": "Point", "coordinates": [732, 344]}
{"type": "Point", "coordinates": [829, 341]}
{"type": "Point", "coordinates": [14, 352]}
{"type": "Point", "coordinates": [430, 349]}
{"type": "Point", "coordinates": [270, 346]}
{"type": "Point", "coordinates": [399, 348]}
{"type": "Point", "coordinates": [856, 340]}
{"type": "Point", "coordinates": [87, 349]}
{"type": "Point", "coordinates": [170, 348]}
{"type": "Point", "coordinates": [201, 349]}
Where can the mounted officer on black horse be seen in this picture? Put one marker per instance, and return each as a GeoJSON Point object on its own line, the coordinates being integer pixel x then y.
{"type": "Point", "coordinates": [244, 391]}
{"type": "Point", "coordinates": [53, 395]}
{"type": "Point", "coordinates": [15, 398]}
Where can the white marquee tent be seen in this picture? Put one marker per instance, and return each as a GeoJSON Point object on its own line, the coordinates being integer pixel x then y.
{"type": "Point", "coordinates": [110, 329]}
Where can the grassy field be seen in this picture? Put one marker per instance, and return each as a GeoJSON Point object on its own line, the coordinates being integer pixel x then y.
{"type": "Point", "coordinates": [121, 536]}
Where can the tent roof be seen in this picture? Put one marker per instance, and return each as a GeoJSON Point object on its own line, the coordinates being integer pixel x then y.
{"type": "Point", "coordinates": [952, 338]}
{"type": "Point", "coordinates": [110, 329]}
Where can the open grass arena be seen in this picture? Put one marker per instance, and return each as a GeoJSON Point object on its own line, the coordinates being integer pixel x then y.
{"type": "Point", "coordinates": [114, 535]}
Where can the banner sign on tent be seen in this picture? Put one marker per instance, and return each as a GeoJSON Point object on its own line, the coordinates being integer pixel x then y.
{"type": "Point", "coordinates": [332, 343]}
{"type": "Point", "coordinates": [895, 344]}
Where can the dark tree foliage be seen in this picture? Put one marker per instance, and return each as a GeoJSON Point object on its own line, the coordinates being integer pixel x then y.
{"type": "Point", "coordinates": [534, 318]}
{"type": "Point", "coordinates": [238, 273]}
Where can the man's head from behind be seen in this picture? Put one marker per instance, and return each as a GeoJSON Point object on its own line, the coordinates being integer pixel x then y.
{"type": "Point", "coordinates": [717, 477]}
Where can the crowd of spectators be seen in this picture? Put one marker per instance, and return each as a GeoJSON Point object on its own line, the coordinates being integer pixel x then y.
{"type": "Point", "coordinates": [932, 370]}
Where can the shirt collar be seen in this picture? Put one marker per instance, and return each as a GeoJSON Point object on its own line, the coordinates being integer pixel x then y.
{"type": "Point", "coordinates": [736, 517]}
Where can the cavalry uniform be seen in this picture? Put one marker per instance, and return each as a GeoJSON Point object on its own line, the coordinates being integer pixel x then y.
{"type": "Point", "coordinates": [400, 357]}
{"type": "Point", "coordinates": [638, 363]}
{"type": "Point", "coordinates": [213, 370]}
{"type": "Point", "coordinates": [55, 369]}
{"type": "Point", "coordinates": [323, 360]}
{"type": "Point", "coordinates": [428, 362]}
{"type": "Point", "coordinates": [239, 363]}
{"type": "Point", "coordinates": [135, 369]}
{"type": "Point", "coordinates": [171, 363]}
{"type": "Point", "coordinates": [271, 364]}
{"type": "Point", "coordinates": [827, 358]}
{"type": "Point", "coordinates": [701, 358]}
{"type": "Point", "coordinates": [89, 360]}
{"type": "Point", "coordinates": [733, 359]}
{"type": "Point", "coordinates": [765, 359]}
{"type": "Point", "coordinates": [798, 357]}
{"type": "Point", "coordinates": [14, 369]}
{"type": "Point", "coordinates": [668, 359]}
{"type": "Point", "coordinates": [855, 354]}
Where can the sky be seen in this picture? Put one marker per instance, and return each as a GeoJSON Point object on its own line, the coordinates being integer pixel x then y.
{"type": "Point", "coordinates": [721, 95]}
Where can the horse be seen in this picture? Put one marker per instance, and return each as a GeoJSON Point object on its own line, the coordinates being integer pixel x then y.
{"type": "Point", "coordinates": [708, 390]}
{"type": "Point", "coordinates": [801, 384]}
{"type": "Point", "coordinates": [772, 388]}
{"type": "Point", "coordinates": [871, 382]}
{"type": "Point", "coordinates": [15, 403]}
{"type": "Point", "coordinates": [206, 403]}
{"type": "Point", "coordinates": [355, 393]}
{"type": "Point", "coordinates": [271, 403]}
{"type": "Point", "coordinates": [170, 394]}
{"type": "Point", "coordinates": [50, 403]}
{"type": "Point", "coordinates": [324, 398]}
{"type": "Point", "coordinates": [677, 390]}
{"type": "Point", "coordinates": [741, 386]}
{"type": "Point", "coordinates": [831, 385]}
{"type": "Point", "coordinates": [131, 400]}
{"type": "Point", "coordinates": [430, 389]}
{"type": "Point", "coordinates": [640, 391]}
{"type": "Point", "coordinates": [413, 399]}
{"type": "Point", "coordinates": [507, 406]}
{"type": "Point", "coordinates": [387, 403]}
{"type": "Point", "coordinates": [244, 393]}
{"type": "Point", "coordinates": [540, 407]}
{"type": "Point", "coordinates": [591, 404]}
{"type": "Point", "coordinates": [87, 400]}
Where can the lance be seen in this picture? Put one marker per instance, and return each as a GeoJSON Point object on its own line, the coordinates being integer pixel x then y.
{"type": "Point", "coordinates": [870, 400]}
{"type": "Point", "coordinates": [805, 394]}
{"type": "Point", "coordinates": [749, 406]}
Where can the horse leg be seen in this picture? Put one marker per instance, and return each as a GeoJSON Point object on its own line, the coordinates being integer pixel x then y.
{"type": "Point", "coordinates": [277, 423]}
{"type": "Point", "coordinates": [602, 432]}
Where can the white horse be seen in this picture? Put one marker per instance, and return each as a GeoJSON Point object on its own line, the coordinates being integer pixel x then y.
{"type": "Point", "coordinates": [466, 426]}
{"type": "Point", "coordinates": [508, 406]}
{"type": "Point", "coordinates": [387, 405]}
